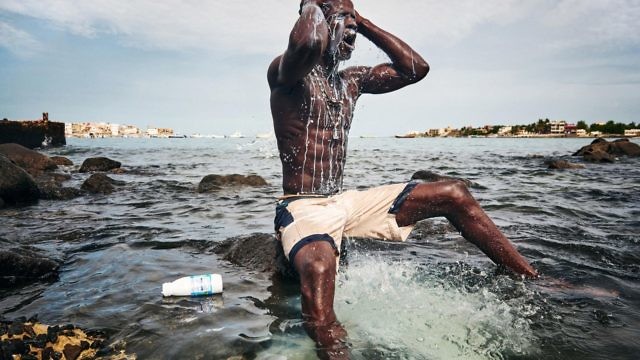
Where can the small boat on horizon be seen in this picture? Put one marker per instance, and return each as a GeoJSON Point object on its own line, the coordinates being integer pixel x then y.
{"type": "Point", "coordinates": [235, 135]}
{"type": "Point", "coordinates": [268, 135]}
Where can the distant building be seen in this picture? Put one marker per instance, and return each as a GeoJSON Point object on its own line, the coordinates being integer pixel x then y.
{"type": "Point", "coordinates": [632, 132]}
{"type": "Point", "coordinates": [129, 131]}
{"type": "Point", "coordinates": [440, 132]}
{"type": "Point", "coordinates": [557, 127]}
{"type": "Point", "coordinates": [570, 129]}
{"type": "Point", "coordinates": [505, 130]}
{"type": "Point", "coordinates": [159, 132]}
{"type": "Point", "coordinates": [581, 132]}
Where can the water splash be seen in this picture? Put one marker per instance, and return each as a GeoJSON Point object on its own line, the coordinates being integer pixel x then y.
{"type": "Point", "coordinates": [395, 309]}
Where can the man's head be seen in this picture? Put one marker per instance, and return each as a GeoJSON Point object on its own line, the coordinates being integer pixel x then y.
{"type": "Point", "coordinates": [341, 18]}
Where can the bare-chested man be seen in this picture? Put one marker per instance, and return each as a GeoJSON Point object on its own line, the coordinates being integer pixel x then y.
{"type": "Point", "coordinates": [312, 104]}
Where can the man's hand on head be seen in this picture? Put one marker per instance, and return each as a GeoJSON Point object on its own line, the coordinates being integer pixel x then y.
{"type": "Point", "coordinates": [320, 3]}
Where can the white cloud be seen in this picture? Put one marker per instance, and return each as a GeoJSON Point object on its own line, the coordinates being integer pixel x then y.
{"type": "Point", "coordinates": [606, 24]}
{"type": "Point", "coordinates": [260, 26]}
{"type": "Point", "coordinates": [18, 41]}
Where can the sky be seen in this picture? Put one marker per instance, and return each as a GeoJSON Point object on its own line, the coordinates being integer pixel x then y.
{"type": "Point", "coordinates": [199, 66]}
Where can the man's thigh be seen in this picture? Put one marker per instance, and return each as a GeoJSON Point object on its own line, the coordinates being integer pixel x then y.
{"type": "Point", "coordinates": [372, 212]}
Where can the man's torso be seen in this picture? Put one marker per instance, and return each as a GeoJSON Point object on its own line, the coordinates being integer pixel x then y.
{"type": "Point", "coordinates": [312, 121]}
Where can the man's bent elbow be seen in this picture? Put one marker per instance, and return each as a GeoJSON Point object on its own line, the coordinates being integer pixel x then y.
{"type": "Point", "coordinates": [421, 69]}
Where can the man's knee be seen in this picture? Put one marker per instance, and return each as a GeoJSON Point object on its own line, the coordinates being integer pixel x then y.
{"type": "Point", "coordinates": [316, 260]}
{"type": "Point", "coordinates": [457, 191]}
{"type": "Point", "coordinates": [442, 192]}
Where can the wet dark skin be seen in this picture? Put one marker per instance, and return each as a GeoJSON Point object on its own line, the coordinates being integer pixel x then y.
{"type": "Point", "coordinates": [312, 104]}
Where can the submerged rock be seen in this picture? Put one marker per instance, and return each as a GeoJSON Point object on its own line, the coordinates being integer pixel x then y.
{"type": "Point", "coordinates": [99, 164]}
{"type": "Point", "coordinates": [601, 150]}
{"type": "Point", "coordinates": [562, 164]}
{"type": "Point", "coordinates": [16, 185]}
{"type": "Point", "coordinates": [259, 252]}
{"type": "Point", "coordinates": [216, 182]}
{"type": "Point", "coordinates": [21, 265]}
{"type": "Point", "coordinates": [430, 176]}
{"type": "Point", "coordinates": [32, 161]}
{"type": "Point", "coordinates": [100, 184]}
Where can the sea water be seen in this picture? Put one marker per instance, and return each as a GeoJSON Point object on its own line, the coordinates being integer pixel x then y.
{"type": "Point", "coordinates": [434, 297]}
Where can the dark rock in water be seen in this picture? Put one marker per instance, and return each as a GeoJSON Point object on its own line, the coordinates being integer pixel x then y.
{"type": "Point", "coordinates": [430, 176]}
{"type": "Point", "coordinates": [32, 134]}
{"type": "Point", "coordinates": [259, 252]}
{"type": "Point", "coordinates": [625, 147]}
{"type": "Point", "coordinates": [99, 164]}
{"type": "Point", "coordinates": [50, 187]}
{"type": "Point", "coordinates": [61, 161]}
{"type": "Point", "coordinates": [1, 203]}
{"type": "Point", "coordinates": [32, 161]}
{"type": "Point", "coordinates": [601, 150]}
{"type": "Point", "coordinates": [100, 184]}
{"type": "Point", "coordinates": [598, 155]}
{"type": "Point", "coordinates": [16, 185]}
{"type": "Point", "coordinates": [217, 182]}
{"type": "Point", "coordinates": [562, 164]}
{"type": "Point", "coordinates": [21, 265]}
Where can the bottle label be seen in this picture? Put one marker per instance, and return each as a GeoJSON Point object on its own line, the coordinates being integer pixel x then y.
{"type": "Point", "coordinates": [201, 285]}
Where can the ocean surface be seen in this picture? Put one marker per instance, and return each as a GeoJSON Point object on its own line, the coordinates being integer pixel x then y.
{"type": "Point", "coordinates": [434, 297]}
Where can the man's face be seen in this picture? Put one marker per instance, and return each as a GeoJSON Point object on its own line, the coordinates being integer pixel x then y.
{"type": "Point", "coordinates": [341, 17]}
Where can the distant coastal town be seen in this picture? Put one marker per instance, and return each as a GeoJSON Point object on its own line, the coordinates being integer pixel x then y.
{"type": "Point", "coordinates": [541, 128]}
{"type": "Point", "coordinates": [107, 130]}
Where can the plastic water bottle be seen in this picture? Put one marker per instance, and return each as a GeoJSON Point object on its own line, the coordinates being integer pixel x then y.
{"type": "Point", "coordinates": [196, 285]}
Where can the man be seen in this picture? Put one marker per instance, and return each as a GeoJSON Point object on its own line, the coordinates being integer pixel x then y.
{"type": "Point", "coordinates": [312, 105]}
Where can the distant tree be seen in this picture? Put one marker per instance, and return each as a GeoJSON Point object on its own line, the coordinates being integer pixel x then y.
{"type": "Point", "coordinates": [632, 126]}
{"type": "Point", "coordinates": [582, 125]}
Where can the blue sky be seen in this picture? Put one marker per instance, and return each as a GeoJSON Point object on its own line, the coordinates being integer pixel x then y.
{"type": "Point", "coordinates": [200, 66]}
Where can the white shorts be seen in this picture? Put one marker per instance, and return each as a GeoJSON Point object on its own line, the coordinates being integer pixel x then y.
{"type": "Point", "coordinates": [371, 213]}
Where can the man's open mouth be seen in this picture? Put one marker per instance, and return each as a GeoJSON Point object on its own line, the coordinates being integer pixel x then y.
{"type": "Point", "coordinates": [350, 39]}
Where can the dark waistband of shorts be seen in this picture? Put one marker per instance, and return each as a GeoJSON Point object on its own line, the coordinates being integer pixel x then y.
{"type": "Point", "coordinates": [293, 197]}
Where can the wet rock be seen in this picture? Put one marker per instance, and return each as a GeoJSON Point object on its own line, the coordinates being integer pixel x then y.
{"type": "Point", "coordinates": [259, 252]}
{"type": "Point", "coordinates": [16, 185]}
{"type": "Point", "coordinates": [61, 161]}
{"type": "Point", "coordinates": [100, 184]}
{"type": "Point", "coordinates": [50, 187]}
{"type": "Point", "coordinates": [31, 161]}
{"type": "Point", "coordinates": [601, 150]}
{"type": "Point", "coordinates": [99, 164]}
{"type": "Point", "coordinates": [562, 164]}
{"type": "Point", "coordinates": [71, 352]}
{"type": "Point", "coordinates": [430, 176]}
{"type": "Point", "coordinates": [625, 147]}
{"type": "Point", "coordinates": [216, 182]}
{"type": "Point", "coordinates": [598, 156]}
{"type": "Point", "coordinates": [39, 341]}
{"type": "Point", "coordinates": [25, 264]}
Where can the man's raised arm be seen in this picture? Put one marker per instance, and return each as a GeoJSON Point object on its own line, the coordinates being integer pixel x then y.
{"type": "Point", "coordinates": [307, 42]}
{"type": "Point", "coordinates": [407, 66]}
